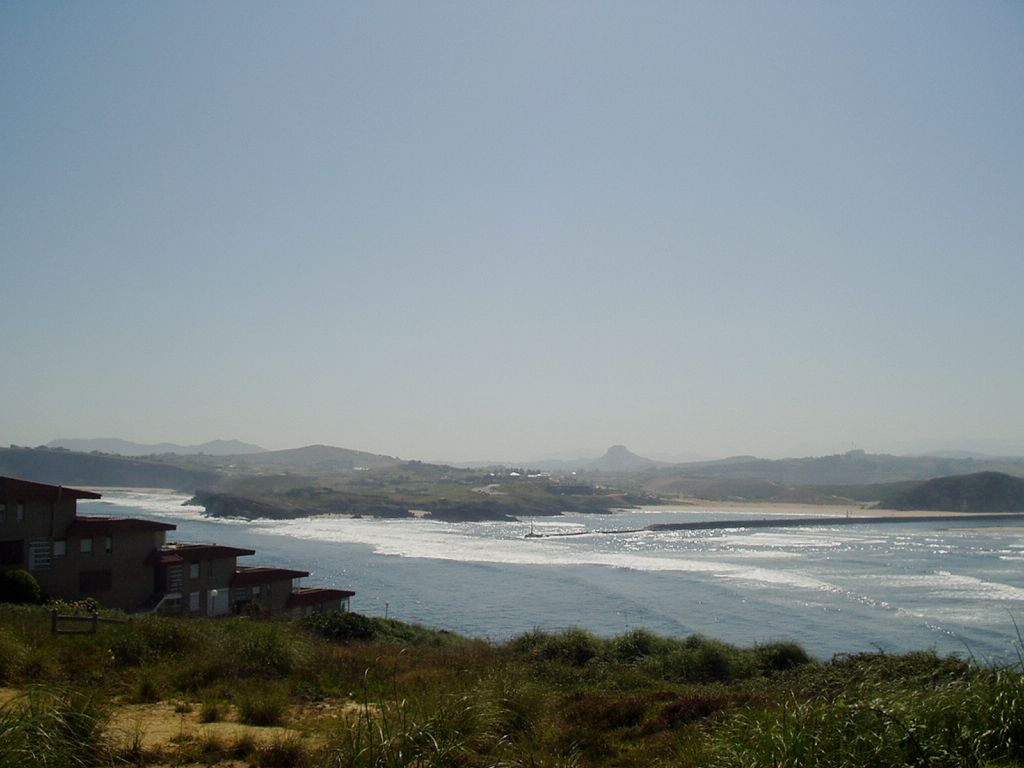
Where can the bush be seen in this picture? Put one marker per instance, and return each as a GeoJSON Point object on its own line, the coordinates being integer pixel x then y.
{"type": "Point", "coordinates": [573, 646]}
{"type": "Point", "coordinates": [264, 651]}
{"type": "Point", "coordinates": [342, 627]}
{"type": "Point", "coordinates": [262, 706]}
{"type": "Point", "coordinates": [18, 586]}
{"type": "Point", "coordinates": [637, 644]}
{"type": "Point", "coordinates": [146, 692]}
{"type": "Point", "coordinates": [780, 656]}
{"type": "Point", "coordinates": [211, 711]}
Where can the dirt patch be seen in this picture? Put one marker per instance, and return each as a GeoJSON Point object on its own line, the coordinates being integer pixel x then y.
{"type": "Point", "coordinates": [162, 726]}
{"type": "Point", "coordinates": [8, 694]}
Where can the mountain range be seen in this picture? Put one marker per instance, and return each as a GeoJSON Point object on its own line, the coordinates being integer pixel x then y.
{"type": "Point", "coordinates": [127, 448]}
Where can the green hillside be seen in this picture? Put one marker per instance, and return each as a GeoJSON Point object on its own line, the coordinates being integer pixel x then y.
{"type": "Point", "coordinates": [978, 492]}
{"type": "Point", "coordinates": [63, 467]}
{"type": "Point", "coordinates": [359, 692]}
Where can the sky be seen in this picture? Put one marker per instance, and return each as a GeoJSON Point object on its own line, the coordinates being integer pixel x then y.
{"type": "Point", "coordinates": [502, 231]}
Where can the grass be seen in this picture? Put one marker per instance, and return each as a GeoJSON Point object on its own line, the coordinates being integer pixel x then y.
{"type": "Point", "coordinates": [55, 727]}
{"type": "Point", "coordinates": [356, 691]}
{"type": "Point", "coordinates": [262, 705]}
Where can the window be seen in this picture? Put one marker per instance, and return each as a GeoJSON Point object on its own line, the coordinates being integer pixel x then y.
{"type": "Point", "coordinates": [40, 554]}
{"type": "Point", "coordinates": [95, 581]}
{"type": "Point", "coordinates": [3, 512]}
{"type": "Point", "coordinates": [109, 544]}
{"type": "Point", "coordinates": [60, 548]}
{"type": "Point", "coordinates": [193, 570]}
{"type": "Point", "coordinates": [20, 514]}
{"type": "Point", "coordinates": [174, 578]}
{"type": "Point", "coordinates": [256, 591]}
{"type": "Point", "coordinates": [85, 546]}
{"type": "Point", "coordinates": [193, 601]}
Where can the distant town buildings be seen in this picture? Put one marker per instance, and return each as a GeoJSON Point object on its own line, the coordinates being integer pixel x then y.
{"type": "Point", "coordinates": [126, 563]}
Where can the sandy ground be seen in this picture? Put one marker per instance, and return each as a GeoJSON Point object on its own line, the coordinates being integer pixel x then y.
{"type": "Point", "coordinates": [166, 727]}
{"type": "Point", "coordinates": [160, 726]}
{"type": "Point", "coordinates": [817, 510]}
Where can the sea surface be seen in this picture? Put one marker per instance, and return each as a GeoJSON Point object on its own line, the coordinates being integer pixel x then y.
{"type": "Point", "coordinates": [955, 586]}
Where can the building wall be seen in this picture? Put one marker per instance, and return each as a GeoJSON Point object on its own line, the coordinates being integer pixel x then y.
{"type": "Point", "coordinates": [340, 604]}
{"type": "Point", "coordinates": [27, 539]}
{"type": "Point", "coordinates": [204, 575]}
{"type": "Point", "coordinates": [271, 596]}
{"type": "Point", "coordinates": [113, 569]}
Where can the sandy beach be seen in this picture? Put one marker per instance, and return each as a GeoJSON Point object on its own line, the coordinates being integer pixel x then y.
{"type": "Point", "coordinates": [816, 510]}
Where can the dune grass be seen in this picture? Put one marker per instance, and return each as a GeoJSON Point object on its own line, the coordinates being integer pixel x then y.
{"type": "Point", "coordinates": [357, 691]}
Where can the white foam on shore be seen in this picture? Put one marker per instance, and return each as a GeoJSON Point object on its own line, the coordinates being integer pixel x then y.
{"type": "Point", "coordinates": [956, 587]}
{"type": "Point", "coordinates": [445, 541]}
{"type": "Point", "coordinates": [167, 505]}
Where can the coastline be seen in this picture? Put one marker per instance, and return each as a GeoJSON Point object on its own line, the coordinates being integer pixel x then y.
{"type": "Point", "coordinates": [810, 510]}
{"type": "Point", "coordinates": [122, 489]}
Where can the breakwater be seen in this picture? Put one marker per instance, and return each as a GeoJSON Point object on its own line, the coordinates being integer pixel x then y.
{"type": "Point", "coordinates": [793, 522]}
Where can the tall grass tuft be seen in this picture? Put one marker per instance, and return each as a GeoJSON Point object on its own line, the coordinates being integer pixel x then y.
{"type": "Point", "coordinates": [881, 721]}
{"type": "Point", "coordinates": [51, 728]}
{"type": "Point", "coordinates": [263, 705]}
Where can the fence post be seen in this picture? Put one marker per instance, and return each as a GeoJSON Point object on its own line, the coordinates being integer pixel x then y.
{"type": "Point", "coordinates": [53, 621]}
{"type": "Point", "coordinates": [95, 621]}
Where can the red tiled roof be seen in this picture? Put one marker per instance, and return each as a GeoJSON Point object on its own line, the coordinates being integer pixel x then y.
{"type": "Point", "coordinates": [13, 489]}
{"type": "Point", "coordinates": [251, 576]}
{"type": "Point", "coordinates": [109, 526]}
{"type": "Point", "coordinates": [195, 552]}
{"type": "Point", "coordinates": [317, 596]}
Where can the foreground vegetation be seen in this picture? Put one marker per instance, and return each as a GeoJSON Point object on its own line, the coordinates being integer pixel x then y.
{"type": "Point", "coordinates": [348, 690]}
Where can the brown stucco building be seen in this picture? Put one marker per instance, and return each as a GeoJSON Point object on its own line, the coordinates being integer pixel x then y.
{"type": "Point", "coordinates": [75, 557]}
{"type": "Point", "coordinates": [126, 563]}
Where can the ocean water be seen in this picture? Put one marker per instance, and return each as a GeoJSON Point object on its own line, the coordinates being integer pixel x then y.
{"type": "Point", "coordinates": [956, 586]}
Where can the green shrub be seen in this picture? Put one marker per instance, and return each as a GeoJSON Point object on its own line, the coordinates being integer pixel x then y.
{"type": "Point", "coordinates": [262, 705]}
{"type": "Point", "coordinates": [780, 656]}
{"type": "Point", "coordinates": [573, 646]}
{"type": "Point", "coordinates": [885, 720]}
{"type": "Point", "coordinates": [19, 586]}
{"type": "Point", "coordinates": [211, 711]}
{"type": "Point", "coordinates": [264, 651]}
{"type": "Point", "coordinates": [342, 627]}
{"type": "Point", "coordinates": [346, 627]}
{"type": "Point", "coordinates": [282, 752]}
{"type": "Point", "coordinates": [146, 692]}
{"type": "Point", "coordinates": [83, 606]}
{"type": "Point", "coordinates": [637, 644]}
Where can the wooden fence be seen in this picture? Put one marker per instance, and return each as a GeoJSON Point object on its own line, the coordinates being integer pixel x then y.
{"type": "Point", "coordinates": [93, 620]}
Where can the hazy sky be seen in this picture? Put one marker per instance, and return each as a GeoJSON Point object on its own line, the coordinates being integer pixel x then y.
{"type": "Point", "coordinates": [500, 230]}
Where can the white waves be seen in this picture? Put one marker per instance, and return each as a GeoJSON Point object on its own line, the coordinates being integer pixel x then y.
{"type": "Point", "coordinates": [133, 503]}
{"type": "Point", "coordinates": [443, 541]}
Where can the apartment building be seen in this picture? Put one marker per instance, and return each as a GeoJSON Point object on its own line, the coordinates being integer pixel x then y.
{"type": "Point", "coordinates": [127, 563]}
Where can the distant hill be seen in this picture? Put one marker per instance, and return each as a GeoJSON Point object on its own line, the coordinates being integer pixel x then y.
{"type": "Point", "coordinates": [619, 458]}
{"type": "Point", "coordinates": [746, 489]}
{"type": "Point", "coordinates": [60, 466]}
{"type": "Point", "coordinates": [977, 492]}
{"type": "Point", "coordinates": [127, 448]}
{"type": "Point", "coordinates": [311, 459]}
{"type": "Point", "coordinates": [853, 468]}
